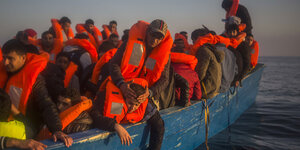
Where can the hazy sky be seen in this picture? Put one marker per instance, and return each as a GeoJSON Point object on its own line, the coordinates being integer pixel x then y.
{"type": "Point", "coordinates": [276, 23]}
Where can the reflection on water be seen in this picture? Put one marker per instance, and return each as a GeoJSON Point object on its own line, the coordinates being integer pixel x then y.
{"type": "Point", "coordinates": [273, 122]}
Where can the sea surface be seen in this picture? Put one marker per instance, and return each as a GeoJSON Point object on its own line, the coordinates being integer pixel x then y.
{"type": "Point", "coordinates": [273, 121]}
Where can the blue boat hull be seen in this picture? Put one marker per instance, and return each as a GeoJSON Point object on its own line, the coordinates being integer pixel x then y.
{"type": "Point", "coordinates": [184, 127]}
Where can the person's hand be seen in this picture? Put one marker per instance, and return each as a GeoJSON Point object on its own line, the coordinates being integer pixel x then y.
{"type": "Point", "coordinates": [127, 92]}
{"type": "Point", "coordinates": [25, 144]}
{"type": "Point", "coordinates": [144, 96]}
{"type": "Point", "coordinates": [123, 134]}
{"type": "Point", "coordinates": [63, 137]}
{"type": "Point", "coordinates": [14, 110]}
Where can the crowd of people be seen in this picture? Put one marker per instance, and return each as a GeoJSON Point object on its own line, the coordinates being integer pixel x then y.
{"type": "Point", "coordinates": [65, 83]}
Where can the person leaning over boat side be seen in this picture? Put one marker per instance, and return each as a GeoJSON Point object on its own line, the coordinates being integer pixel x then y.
{"type": "Point", "coordinates": [254, 49]}
{"type": "Point", "coordinates": [111, 43]}
{"type": "Point", "coordinates": [71, 78]}
{"type": "Point", "coordinates": [109, 29]}
{"type": "Point", "coordinates": [209, 65]}
{"type": "Point", "coordinates": [12, 133]}
{"type": "Point", "coordinates": [151, 45]}
{"type": "Point", "coordinates": [61, 29]}
{"type": "Point", "coordinates": [32, 99]}
{"type": "Point", "coordinates": [184, 65]}
{"type": "Point", "coordinates": [241, 12]}
{"type": "Point", "coordinates": [95, 36]}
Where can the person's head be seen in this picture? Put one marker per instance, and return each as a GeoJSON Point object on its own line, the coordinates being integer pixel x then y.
{"type": "Point", "coordinates": [89, 24]}
{"type": "Point", "coordinates": [249, 39]}
{"type": "Point", "coordinates": [65, 23]}
{"type": "Point", "coordinates": [63, 60]}
{"type": "Point", "coordinates": [22, 37]}
{"type": "Point", "coordinates": [133, 104]}
{"type": "Point", "coordinates": [232, 30]}
{"type": "Point", "coordinates": [31, 33]}
{"type": "Point", "coordinates": [226, 4]}
{"type": "Point", "coordinates": [113, 26]}
{"type": "Point", "coordinates": [184, 33]}
{"type": "Point", "coordinates": [14, 55]}
{"type": "Point", "coordinates": [69, 98]}
{"type": "Point", "coordinates": [179, 46]}
{"type": "Point", "coordinates": [156, 33]}
{"type": "Point", "coordinates": [81, 36]}
{"type": "Point", "coordinates": [199, 32]}
{"type": "Point", "coordinates": [114, 39]}
{"type": "Point", "coordinates": [47, 39]}
{"type": "Point", "coordinates": [125, 35]}
{"type": "Point", "coordinates": [5, 106]}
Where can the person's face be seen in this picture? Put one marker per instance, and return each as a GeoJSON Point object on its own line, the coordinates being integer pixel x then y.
{"type": "Point", "coordinates": [132, 105]}
{"type": "Point", "coordinates": [47, 40]}
{"type": "Point", "coordinates": [154, 38]}
{"type": "Point", "coordinates": [63, 62]}
{"type": "Point", "coordinates": [179, 44]}
{"type": "Point", "coordinates": [232, 33]}
{"type": "Point", "coordinates": [113, 27]}
{"type": "Point", "coordinates": [13, 61]}
{"type": "Point", "coordinates": [66, 26]}
{"type": "Point", "coordinates": [90, 27]}
{"type": "Point", "coordinates": [115, 41]}
{"type": "Point", "coordinates": [249, 40]}
{"type": "Point", "coordinates": [63, 103]}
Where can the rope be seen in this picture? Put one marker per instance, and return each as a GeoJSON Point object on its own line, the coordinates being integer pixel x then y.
{"type": "Point", "coordinates": [206, 117]}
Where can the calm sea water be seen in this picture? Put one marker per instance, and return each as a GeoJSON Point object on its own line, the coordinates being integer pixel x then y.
{"type": "Point", "coordinates": [273, 121]}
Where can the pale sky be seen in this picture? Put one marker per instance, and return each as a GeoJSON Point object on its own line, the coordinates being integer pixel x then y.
{"type": "Point", "coordinates": [276, 23]}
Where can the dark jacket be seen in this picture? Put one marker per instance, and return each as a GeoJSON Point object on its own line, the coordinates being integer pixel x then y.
{"type": "Point", "coordinates": [41, 109]}
{"type": "Point", "coordinates": [105, 46]}
{"type": "Point", "coordinates": [117, 78]}
{"type": "Point", "coordinates": [209, 69]}
{"type": "Point", "coordinates": [243, 13]}
{"type": "Point", "coordinates": [192, 77]}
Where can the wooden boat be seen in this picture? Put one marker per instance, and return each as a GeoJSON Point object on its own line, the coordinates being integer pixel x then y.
{"type": "Point", "coordinates": [184, 127]}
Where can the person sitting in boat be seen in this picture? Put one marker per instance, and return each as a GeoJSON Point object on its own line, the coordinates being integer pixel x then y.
{"type": "Point", "coordinates": [209, 65]}
{"type": "Point", "coordinates": [112, 42]}
{"type": "Point", "coordinates": [112, 108]}
{"type": "Point", "coordinates": [254, 49]}
{"type": "Point", "coordinates": [61, 29]}
{"type": "Point", "coordinates": [71, 78]}
{"type": "Point", "coordinates": [109, 29]}
{"type": "Point", "coordinates": [29, 47]}
{"type": "Point", "coordinates": [125, 35]}
{"type": "Point", "coordinates": [95, 36]}
{"type": "Point", "coordinates": [184, 65]}
{"type": "Point", "coordinates": [81, 52]}
{"type": "Point", "coordinates": [50, 45]}
{"type": "Point", "coordinates": [72, 112]}
{"type": "Point", "coordinates": [13, 133]}
{"type": "Point", "coordinates": [21, 79]}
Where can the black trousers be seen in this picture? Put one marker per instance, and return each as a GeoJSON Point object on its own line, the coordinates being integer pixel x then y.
{"type": "Point", "coordinates": [157, 130]}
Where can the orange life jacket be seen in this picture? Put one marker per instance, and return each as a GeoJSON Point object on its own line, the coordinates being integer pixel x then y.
{"type": "Point", "coordinates": [59, 32]}
{"type": "Point", "coordinates": [33, 41]}
{"type": "Point", "coordinates": [95, 39]}
{"type": "Point", "coordinates": [103, 60]}
{"type": "Point", "coordinates": [86, 45]}
{"type": "Point", "coordinates": [233, 9]}
{"type": "Point", "coordinates": [72, 68]}
{"type": "Point", "coordinates": [1, 57]}
{"type": "Point", "coordinates": [115, 105]}
{"type": "Point", "coordinates": [68, 116]}
{"type": "Point", "coordinates": [19, 86]}
{"type": "Point", "coordinates": [186, 43]}
{"type": "Point", "coordinates": [108, 32]}
{"type": "Point", "coordinates": [254, 53]}
{"type": "Point", "coordinates": [133, 62]}
{"type": "Point", "coordinates": [184, 58]}
{"type": "Point", "coordinates": [57, 48]}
